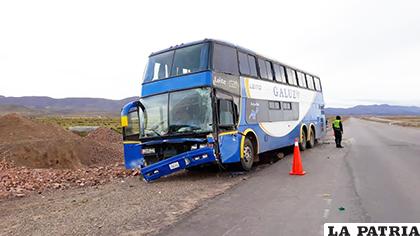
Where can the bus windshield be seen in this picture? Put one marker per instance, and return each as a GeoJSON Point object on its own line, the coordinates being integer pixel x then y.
{"type": "Point", "coordinates": [188, 111]}
{"type": "Point", "coordinates": [177, 62]}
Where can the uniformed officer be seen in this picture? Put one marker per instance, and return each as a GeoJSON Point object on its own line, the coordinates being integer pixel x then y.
{"type": "Point", "coordinates": [338, 131]}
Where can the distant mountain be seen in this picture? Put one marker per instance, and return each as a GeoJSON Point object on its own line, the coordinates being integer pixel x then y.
{"type": "Point", "coordinates": [378, 110]}
{"type": "Point", "coordinates": [34, 105]}
{"type": "Point", "coordinates": [65, 106]}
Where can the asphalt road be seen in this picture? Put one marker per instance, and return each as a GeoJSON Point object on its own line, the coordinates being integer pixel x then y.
{"type": "Point", "coordinates": [375, 178]}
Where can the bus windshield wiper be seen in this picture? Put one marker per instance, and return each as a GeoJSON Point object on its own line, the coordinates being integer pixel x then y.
{"type": "Point", "coordinates": [184, 128]}
{"type": "Point", "coordinates": [154, 131]}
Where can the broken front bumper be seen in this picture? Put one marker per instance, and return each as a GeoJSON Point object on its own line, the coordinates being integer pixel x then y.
{"type": "Point", "coordinates": [178, 162]}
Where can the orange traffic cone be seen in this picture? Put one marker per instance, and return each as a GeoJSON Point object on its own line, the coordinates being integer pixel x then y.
{"type": "Point", "coordinates": [297, 168]}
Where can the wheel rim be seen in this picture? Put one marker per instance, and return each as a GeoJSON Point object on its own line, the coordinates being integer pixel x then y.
{"type": "Point", "coordinates": [312, 138]}
{"type": "Point", "coordinates": [247, 154]}
{"type": "Point", "coordinates": [304, 140]}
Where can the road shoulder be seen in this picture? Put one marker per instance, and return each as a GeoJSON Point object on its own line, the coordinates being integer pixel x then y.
{"type": "Point", "coordinates": [274, 203]}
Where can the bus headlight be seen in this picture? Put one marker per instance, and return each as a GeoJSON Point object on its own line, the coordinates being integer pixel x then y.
{"type": "Point", "coordinates": [148, 151]}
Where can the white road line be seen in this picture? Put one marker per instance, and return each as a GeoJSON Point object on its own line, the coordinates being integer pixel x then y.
{"type": "Point", "coordinates": [326, 213]}
{"type": "Point", "coordinates": [329, 200]}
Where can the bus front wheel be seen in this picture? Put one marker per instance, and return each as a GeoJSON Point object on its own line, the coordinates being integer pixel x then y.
{"type": "Point", "coordinates": [248, 155]}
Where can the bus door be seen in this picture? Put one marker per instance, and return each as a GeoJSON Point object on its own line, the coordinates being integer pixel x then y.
{"type": "Point", "coordinates": [229, 138]}
{"type": "Point", "coordinates": [131, 127]}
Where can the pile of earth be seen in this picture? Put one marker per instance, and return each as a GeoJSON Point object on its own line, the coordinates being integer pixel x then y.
{"type": "Point", "coordinates": [105, 136]}
{"type": "Point", "coordinates": [34, 144]}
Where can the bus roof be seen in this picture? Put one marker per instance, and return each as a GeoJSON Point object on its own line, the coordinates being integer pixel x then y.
{"type": "Point", "coordinates": [182, 45]}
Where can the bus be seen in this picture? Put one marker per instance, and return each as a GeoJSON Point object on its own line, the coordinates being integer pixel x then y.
{"type": "Point", "coordinates": [213, 102]}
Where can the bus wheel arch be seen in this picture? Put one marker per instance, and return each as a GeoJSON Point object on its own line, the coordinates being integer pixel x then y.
{"type": "Point", "coordinates": [249, 139]}
{"type": "Point", "coordinates": [312, 137]}
{"type": "Point", "coordinates": [303, 137]}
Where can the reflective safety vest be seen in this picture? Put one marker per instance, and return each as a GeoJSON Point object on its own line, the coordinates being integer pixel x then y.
{"type": "Point", "coordinates": [336, 124]}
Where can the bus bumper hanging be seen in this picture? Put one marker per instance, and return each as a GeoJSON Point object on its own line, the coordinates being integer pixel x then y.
{"type": "Point", "coordinates": [178, 162]}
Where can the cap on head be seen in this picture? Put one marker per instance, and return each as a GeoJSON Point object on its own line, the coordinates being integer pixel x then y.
{"type": "Point", "coordinates": [338, 117]}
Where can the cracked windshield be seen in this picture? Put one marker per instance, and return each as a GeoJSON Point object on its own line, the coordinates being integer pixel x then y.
{"type": "Point", "coordinates": [189, 112]}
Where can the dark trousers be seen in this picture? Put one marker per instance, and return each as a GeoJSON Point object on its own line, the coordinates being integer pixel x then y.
{"type": "Point", "coordinates": [338, 135]}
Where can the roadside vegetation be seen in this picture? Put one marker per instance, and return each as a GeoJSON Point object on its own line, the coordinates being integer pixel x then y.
{"type": "Point", "coordinates": [66, 122]}
{"type": "Point", "coordinates": [409, 121]}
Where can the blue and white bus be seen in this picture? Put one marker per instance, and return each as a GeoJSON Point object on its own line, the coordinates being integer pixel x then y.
{"type": "Point", "coordinates": [214, 102]}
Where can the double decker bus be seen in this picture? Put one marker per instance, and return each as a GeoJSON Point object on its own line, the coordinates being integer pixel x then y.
{"type": "Point", "coordinates": [214, 102]}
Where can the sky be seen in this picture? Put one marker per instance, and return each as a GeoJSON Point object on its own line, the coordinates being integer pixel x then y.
{"type": "Point", "coordinates": [365, 52]}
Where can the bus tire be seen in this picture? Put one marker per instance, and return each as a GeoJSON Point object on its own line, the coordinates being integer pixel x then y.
{"type": "Point", "coordinates": [248, 155]}
{"type": "Point", "coordinates": [311, 141]}
{"type": "Point", "coordinates": [304, 140]}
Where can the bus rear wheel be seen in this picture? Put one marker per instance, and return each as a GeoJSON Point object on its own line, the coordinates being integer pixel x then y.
{"type": "Point", "coordinates": [304, 140]}
{"type": "Point", "coordinates": [311, 142]}
{"type": "Point", "coordinates": [248, 156]}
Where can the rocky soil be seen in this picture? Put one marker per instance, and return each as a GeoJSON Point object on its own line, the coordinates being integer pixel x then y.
{"type": "Point", "coordinates": [35, 157]}
{"type": "Point", "coordinates": [126, 206]}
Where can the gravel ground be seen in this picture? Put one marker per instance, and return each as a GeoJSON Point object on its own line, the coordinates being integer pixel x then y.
{"type": "Point", "coordinates": [22, 181]}
{"type": "Point", "coordinates": [122, 207]}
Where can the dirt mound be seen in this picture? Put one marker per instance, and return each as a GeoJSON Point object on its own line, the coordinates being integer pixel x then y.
{"type": "Point", "coordinates": [33, 144]}
{"type": "Point", "coordinates": [16, 128]}
{"type": "Point", "coordinates": [105, 135]}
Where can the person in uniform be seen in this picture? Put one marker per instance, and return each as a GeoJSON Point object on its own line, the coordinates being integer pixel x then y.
{"type": "Point", "coordinates": [337, 126]}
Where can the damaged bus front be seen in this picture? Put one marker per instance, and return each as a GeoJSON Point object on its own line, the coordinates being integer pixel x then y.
{"type": "Point", "coordinates": [168, 132]}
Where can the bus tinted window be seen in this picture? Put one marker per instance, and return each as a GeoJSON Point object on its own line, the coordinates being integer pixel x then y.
{"type": "Point", "coordinates": [301, 79]}
{"type": "Point", "coordinates": [317, 84]}
{"type": "Point", "coordinates": [310, 82]}
{"type": "Point", "coordinates": [190, 59]}
{"type": "Point", "coordinates": [279, 73]}
{"type": "Point", "coordinates": [252, 65]}
{"type": "Point", "coordinates": [274, 105]}
{"type": "Point", "coordinates": [263, 69]}
{"type": "Point", "coordinates": [226, 116]}
{"type": "Point", "coordinates": [291, 76]}
{"type": "Point", "coordinates": [287, 106]}
{"type": "Point", "coordinates": [247, 64]}
{"type": "Point", "coordinates": [243, 64]}
{"type": "Point", "coordinates": [225, 59]}
{"type": "Point", "coordinates": [269, 70]}
{"type": "Point", "coordinates": [159, 66]}
{"type": "Point", "coordinates": [177, 62]}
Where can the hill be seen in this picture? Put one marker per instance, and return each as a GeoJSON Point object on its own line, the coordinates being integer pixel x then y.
{"type": "Point", "coordinates": [34, 105]}
{"type": "Point", "coordinates": [377, 110]}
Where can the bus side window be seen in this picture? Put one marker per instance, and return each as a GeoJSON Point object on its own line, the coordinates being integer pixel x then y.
{"type": "Point", "coordinates": [243, 64]}
{"type": "Point", "coordinates": [269, 70]}
{"type": "Point", "coordinates": [252, 65]}
{"type": "Point", "coordinates": [301, 79]}
{"type": "Point", "coordinates": [262, 68]}
{"type": "Point", "coordinates": [287, 106]}
{"type": "Point", "coordinates": [291, 76]}
{"type": "Point", "coordinates": [247, 64]}
{"type": "Point", "coordinates": [317, 84]}
{"type": "Point", "coordinates": [226, 114]}
{"type": "Point", "coordinates": [279, 73]}
{"type": "Point", "coordinates": [310, 82]}
{"type": "Point", "coordinates": [225, 59]}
